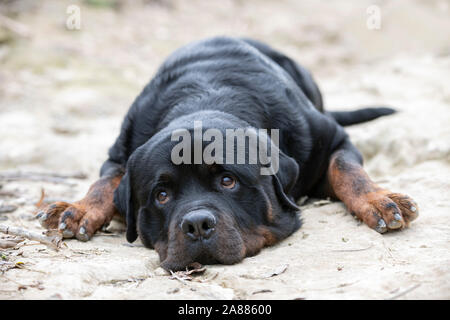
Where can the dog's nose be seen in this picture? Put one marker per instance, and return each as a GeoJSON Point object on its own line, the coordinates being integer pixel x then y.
{"type": "Point", "coordinates": [198, 224]}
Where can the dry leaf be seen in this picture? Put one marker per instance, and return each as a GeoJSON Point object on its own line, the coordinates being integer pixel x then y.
{"type": "Point", "coordinates": [184, 276]}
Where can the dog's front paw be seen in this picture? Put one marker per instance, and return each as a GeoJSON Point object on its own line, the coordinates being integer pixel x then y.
{"type": "Point", "coordinates": [83, 218]}
{"type": "Point", "coordinates": [73, 220]}
{"type": "Point", "coordinates": [383, 210]}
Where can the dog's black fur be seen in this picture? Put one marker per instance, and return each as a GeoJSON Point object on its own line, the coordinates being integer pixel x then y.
{"type": "Point", "coordinates": [225, 83]}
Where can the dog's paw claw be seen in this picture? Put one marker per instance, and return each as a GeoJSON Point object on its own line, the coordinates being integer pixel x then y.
{"type": "Point", "coordinates": [82, 235]}
{"type": "Point", "coordinates": [396, 223]}
{"type": "Point", "coordinates": [67, 234]}
{"type": "Point", "coordinates": [381, 226]}
{"type": "Point", "coordinates": [42, 218]}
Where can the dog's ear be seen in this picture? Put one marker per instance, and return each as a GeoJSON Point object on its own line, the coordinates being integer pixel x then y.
{"type": "Point", "coordinates": [284, 180]}
{"type": "Point", "coordinates": [123, 201]}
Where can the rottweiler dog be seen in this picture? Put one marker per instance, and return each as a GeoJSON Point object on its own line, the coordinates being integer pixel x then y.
{"type": "Point", "coordinates": [222, 211]}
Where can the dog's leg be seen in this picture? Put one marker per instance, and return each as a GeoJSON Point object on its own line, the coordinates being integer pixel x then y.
{"type": "Point", "coordinates": [81, 219]}
{"type": "Point", "coordinates": [379, 208]}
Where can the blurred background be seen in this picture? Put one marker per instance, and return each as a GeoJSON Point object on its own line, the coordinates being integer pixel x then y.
{"type": "Point", "coordinates": [64, 88]}
{"type": "Point", "coordinates": [69, 70]}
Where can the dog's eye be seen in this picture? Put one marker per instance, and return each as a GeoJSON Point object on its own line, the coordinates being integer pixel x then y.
{"type": "Point", "coordinates": [162, 197]}
{"type": "Point", "coordinates": [228, 182]}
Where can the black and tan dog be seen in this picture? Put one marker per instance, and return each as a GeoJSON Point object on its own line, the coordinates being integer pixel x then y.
{"type": "Point", "coordinates": [221, 213]}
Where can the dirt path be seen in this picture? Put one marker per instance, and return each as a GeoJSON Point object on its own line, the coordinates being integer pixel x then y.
{"type": "Point", "coordinates": [63, 94]}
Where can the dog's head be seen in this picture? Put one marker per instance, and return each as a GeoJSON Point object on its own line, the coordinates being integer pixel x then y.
{"type": "Point", "coordinates": [204, 210]}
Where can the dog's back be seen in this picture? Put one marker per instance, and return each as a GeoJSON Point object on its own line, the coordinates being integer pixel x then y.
{"type": "Point", "coordinates": [224, 74]}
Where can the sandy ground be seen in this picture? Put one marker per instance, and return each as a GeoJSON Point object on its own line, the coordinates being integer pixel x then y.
{"type": "Point", "coordinates": [63, 94]}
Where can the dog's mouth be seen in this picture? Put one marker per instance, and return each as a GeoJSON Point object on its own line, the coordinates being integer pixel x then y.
{"type": "Point", "coordinates": [224, 246]}
{"type": "Point", "coordinates": [204, 258]}
{"type": "Point", "coordinates": [181, 263]}
{"type": "Point", "coordinates": [209, 252]}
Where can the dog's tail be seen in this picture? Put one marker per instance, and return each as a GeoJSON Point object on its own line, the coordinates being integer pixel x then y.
{"type": "Point", "coordinates": [348, 118]}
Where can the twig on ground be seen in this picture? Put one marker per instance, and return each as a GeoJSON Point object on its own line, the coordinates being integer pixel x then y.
{"type": "Point", "coordinates": [276, 272]}
{"type": "Point", "coordinates": [262, 291]}
{"type": "Point", "coordinates": [353, 250]}
{"type": "Point", "coordinates": [404, 292]}
{"type": "Point", "coordinates": [41, 199]}
{"type": "Point", "coordinates": [53, 242]}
